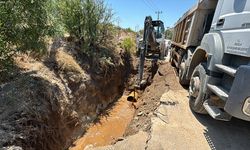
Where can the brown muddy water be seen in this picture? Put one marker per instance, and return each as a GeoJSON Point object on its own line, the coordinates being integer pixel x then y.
{"type": "Point", "coordinates": [109, 127]}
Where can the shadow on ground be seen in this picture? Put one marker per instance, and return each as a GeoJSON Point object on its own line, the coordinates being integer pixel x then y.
{"type": "Point", "coordinates": [221, 135]}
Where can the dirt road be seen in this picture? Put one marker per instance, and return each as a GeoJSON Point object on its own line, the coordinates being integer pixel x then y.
{"type": "Point", "coordinates": [175, 126]}
{"type": "Point", "coordinates": [185, 130]}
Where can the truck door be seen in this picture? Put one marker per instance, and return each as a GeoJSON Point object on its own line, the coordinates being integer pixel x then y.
{"type": "Point", "coordinates": [233, 21]}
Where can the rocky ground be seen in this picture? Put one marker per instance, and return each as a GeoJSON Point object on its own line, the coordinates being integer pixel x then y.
{"type": "Point", "coordinates": [173, 125]}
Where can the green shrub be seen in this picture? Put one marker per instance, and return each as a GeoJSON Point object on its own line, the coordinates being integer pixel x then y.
{"type": "Point", "coordinates": [128, 45]}
{"type": "Point", "coordinates": [129, 30]}
{"type": "Point", "coordinates": [54, 21]}
{"type": "Point", "coordinates": [5, 56]}
{"type": "Point", "coordinates": [90, 21]}
{"type": "Point", "coordinates": [168, 34]}
{"type": "Point", "coordinates": [24, 26]}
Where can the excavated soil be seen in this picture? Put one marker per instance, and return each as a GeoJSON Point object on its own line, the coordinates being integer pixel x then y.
{"type": "Point", "coordinates": [69, 97]}
{"type": "Point", "coordinates": [149, 99]}
{"type": "Point", "coordinates": [51, 102]}
{"type": "Point", "coordinates": [126, 118]}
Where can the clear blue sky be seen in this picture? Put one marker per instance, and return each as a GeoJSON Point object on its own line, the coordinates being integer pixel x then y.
{"type": "Point", "coordinates": [132, 12]}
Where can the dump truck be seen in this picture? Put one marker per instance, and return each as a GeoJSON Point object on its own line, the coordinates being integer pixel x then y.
{"type": "Point", "coordinates": [211, 52]}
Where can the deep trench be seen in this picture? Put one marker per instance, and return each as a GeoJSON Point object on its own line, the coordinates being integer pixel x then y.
{"type": "Point", "coordinates": [53, 106]}
{"type": "Point", "coordinates": [113, 123]}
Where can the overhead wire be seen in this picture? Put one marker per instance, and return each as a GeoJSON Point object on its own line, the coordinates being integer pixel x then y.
{"type": "Point", "coordinates": [153, 4]}
{"type": "Point", "coordinates": [146, 3]}
{"type": "Point", "coordinates": [154, 7]}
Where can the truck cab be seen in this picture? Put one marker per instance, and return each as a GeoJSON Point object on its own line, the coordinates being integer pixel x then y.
{"type": "Point", "coordinates": [232, 21]}
{"type": "Point", "coordinates": [218, 67]}
{"type": "Point", "coordinates": [229, 58]}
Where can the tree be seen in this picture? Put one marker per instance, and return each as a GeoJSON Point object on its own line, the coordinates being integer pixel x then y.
{"type": "Point", "coordinates": [169, 33]}
{"type": "Point", "coordinates": [90, 21]}
{"type": "Point", "coordinates": [24, 26]}
{"type": "Point", "coordinates": [128, 45]}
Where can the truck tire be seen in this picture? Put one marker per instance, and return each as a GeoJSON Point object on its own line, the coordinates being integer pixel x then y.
{"type": "Point", "coordinates": [183, 71]}
{"type": "Point", "coordinates": [171, 59]}
{"type": "Point", "coordinates": [138, 52]}
{"type": "Point", "coordinates": [196, 94]}
{"type": "Point", "coordinates": [162, 54]}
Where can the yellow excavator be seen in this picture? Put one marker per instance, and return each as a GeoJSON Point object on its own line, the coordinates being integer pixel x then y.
{"type": "Point", "coordinates": [153, 42]}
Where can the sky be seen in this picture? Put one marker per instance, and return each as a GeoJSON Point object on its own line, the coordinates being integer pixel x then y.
{"type": "Point", "coordinates": [131, 13]}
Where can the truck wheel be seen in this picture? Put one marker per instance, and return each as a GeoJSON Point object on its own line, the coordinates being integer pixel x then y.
{"type": "Point", "coordinates": [183, 71]}
{"type": "Point", "coordinates": [171, 60]}
{"type": "Point", "coordinates": [196, 94]}
{"type": "Point", "coordinates": [162, 55]}
{"type": "Point", "coordinates": [138, 52]}
{"type": "Point", "coordinates": [166, 52]}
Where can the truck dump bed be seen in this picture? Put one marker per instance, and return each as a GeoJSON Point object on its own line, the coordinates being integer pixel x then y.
{"type": "Point", "coordinates": [191, 27]}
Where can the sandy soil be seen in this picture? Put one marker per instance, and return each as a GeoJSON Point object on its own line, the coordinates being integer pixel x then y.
{"type": "Point", "coordinates": [149, 100]}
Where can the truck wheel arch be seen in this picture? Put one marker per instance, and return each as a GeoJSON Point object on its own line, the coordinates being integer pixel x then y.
{"type": "Point", "coordinates": [212, 53]}
{"type": "Point", "coordinates": [199, 56]}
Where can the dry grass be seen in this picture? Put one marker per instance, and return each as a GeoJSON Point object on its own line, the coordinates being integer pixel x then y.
{"type": "Point", "coordinates": [67, 63]}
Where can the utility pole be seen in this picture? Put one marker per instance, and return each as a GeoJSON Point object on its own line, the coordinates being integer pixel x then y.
{"type": "Point", "coordinates": [158, 18]}
{"type": "Point", "coordinates": [158, 14]}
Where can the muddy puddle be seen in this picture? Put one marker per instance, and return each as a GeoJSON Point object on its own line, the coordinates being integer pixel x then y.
{"type": "Point", "coordinates": [109, 127]}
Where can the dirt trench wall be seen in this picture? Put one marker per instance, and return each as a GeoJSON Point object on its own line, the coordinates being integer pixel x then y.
{"type": "Point", "coordinates": [43, 106]}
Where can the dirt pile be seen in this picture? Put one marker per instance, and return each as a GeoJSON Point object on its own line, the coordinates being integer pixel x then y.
{"type": "Point", "coordinates": [50, 101]}
{"type": "Point", "coordinates": [149, 99]}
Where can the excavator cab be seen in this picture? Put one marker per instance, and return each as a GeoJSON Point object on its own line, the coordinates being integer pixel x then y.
{"type": "Point", "coordinates": [159, 29]}
{"type": "Point", "coordinates": [153, 36]}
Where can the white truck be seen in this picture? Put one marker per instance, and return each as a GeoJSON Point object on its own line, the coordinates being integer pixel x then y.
{"type": "Point", "coordinates": [211, 51]}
